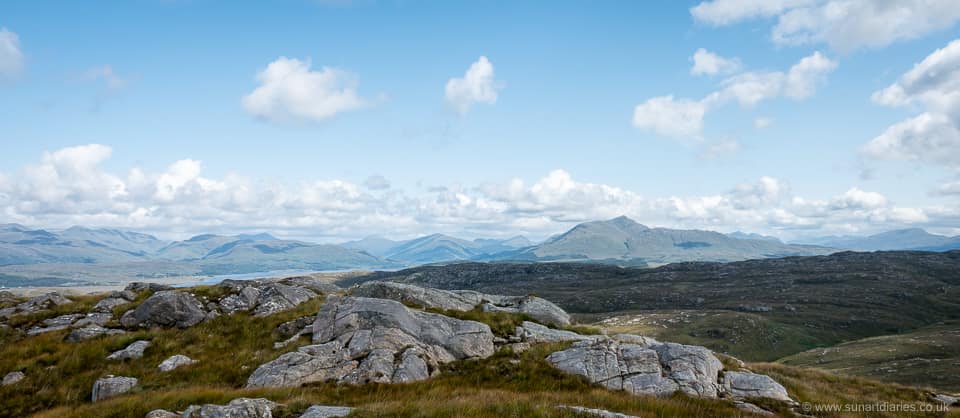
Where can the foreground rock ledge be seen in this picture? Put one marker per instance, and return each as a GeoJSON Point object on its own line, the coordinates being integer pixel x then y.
{"type": "Point", "coordinates": [361, 340]}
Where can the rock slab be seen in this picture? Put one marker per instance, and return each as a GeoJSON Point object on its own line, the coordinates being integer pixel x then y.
{"type": "Point", "coordinates": [166, 308]}
{"type": "Point", "coordinates": [112, 386]}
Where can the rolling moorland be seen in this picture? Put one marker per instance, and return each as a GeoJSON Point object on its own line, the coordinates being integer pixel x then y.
{"type": "Point", "coordinates": [757, 310]}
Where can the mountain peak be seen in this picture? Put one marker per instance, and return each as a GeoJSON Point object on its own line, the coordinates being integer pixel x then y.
{"type": "Point", "coordinates": [623, 222]}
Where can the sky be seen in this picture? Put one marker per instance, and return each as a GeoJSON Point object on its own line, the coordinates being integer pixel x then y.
{"type": "Point", "coordinates": [339, 119]}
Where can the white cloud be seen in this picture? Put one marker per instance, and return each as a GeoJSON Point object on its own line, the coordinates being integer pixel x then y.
{"type": "Point", "coordinates": [670, 117]}
{"type": "Point", "coordinates": [105, 73]}
{"type": "Point", "coordinates": [478, 85]}
{"type": "Point", "coordinates": [71, 186]}
{"type": "Point", "coordinates": [683, 118]}
{"type": "Point", "coordinates": [720, 148]}
{"type": "Point", "coordinates": [950, 188]}
{"type": "Point", "coordinates": [933, 136]}
{"type": "Point", "coordinates": [377, 183]}
{"type": "Point", "coordinates": [843, 24]}
{"type": "Point", "coordinates": [708, 63]}
{"type": "Point", "coordinates": [11, 56]}
{"type": "Point", "coordinates": [762, 123]}
{"type": "Point", "coordinates": [290, 89]}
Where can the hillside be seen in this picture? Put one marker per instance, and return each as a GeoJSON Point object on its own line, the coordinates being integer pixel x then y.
{"type": "Point", "coordinates": [901, 239]}
{"type": "Point", "coordinates": [226, 351]}
{"type": "Point", "coordinates": [812, 301]}
{"type": "Point", "coordinates": [624, 239]}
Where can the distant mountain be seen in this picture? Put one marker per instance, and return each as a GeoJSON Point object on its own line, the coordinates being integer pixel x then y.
{"type": "Point", "coordinates": [624, 239]}
{"type": "Point", "coordinates": [901, 239]}
{"type": "Point", "coordinates": [746, 235]}
{"type": "Point", "coordinates": [493, 246]}
{"type": "Point", "coordinates": [434, 248]}
{"type": "Point", "coordinates": [375, 245]}
{"type": "Point", "coordinates": [20, 245]}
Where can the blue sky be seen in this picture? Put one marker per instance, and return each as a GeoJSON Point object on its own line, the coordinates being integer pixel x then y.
{"type": "Point", "coordinates": [157, 82]}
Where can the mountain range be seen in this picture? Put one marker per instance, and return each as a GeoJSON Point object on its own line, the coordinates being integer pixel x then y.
{"type": "Point", "coordinates": [620, 241]}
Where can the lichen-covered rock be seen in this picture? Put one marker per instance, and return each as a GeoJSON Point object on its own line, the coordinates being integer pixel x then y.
{"type": "Point", "coordinates": [12, 378]}
{"type": "Point", "coordinates": [138, 287]}
{"type": "Point", "coordinates": [299, 326]}
{"type": "Point", "coordinates": [602, 413]}
{"type": "Point", "coordinates": [742, 385]}
{"type": "Point", "coordinates": [36, 304]}
{"type": "Point", "coordinates": [166, 309]}
{"type": "Point", "coordinates": [315, 284]}
{"type": "Point", "coordinates": [276, 297]}
{"type": "Point", "coordinates": [617, 366]}
{"type": "Point", "coordinates": [107, 304]}
{"type": "Point", "coordinates": [161, 413]}
{"type": "Point", "coordinates": [111, 386]}
{"type": "Point", "coordinates": [464, 300]}
{"type": "Point", "coordinates": [91, 331]}
{"type": "Point", "coordinates": [237, 408]}
{"type": "Point", "coordinates": [532, 332]}
{"type": "Point", "coordinates": [132, 351]}
{"type": "Point", "coordinates": [94, 318]}
{"type": "Point", "coordinates": [174, 362]}
{"type": "Point", "coordinates": [244, 300]}
{"type": "Point", "coordinates": [361, 340]}
{"type": "Point", "coordinates": [695, 369]}
{"type": "Point", "coordinates": [320, 411]}
{"type": "Point", "coordinates": [55, 324]}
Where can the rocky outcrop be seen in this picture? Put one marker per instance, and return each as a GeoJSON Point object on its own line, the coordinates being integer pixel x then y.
{"type": "Point", "coordinates": [742, 385]}
{"type": "Point", "coordinates": [937, 397]}
{"type": "Point", "coordinates": [360, 340]}
{"type": "Point", "coordinates": [166, 308]}
{"type": "Point", "coordinates": [602, 413]}
{"type": "Point", "coordinates": [237, 408]}
{"type": "Point", "coordinates": [539, 309]}
{"type": "Point", "coordinates": [297, 326]}
{"type": "Point", "coordinates": [693, 368]}
{"type": "Point", "coordinates": [55, 324]}
{"type": "Point", "coordinates": [320, 411]}
{"type": "Point", "coordinates": [36, 304]}
{"type": "Point", "coordinates": [317, 285]}
{"type": "Point", "coordinates": [263, 297]}
{"type": "Point", "coordinates": [91, 331]}
{"type": "Point", "coordinates": [532, 332]}
{"type": "Point", "coordinates": [131, 352]}
{"type": "Point", "coordinates": [12, 378]}
{"type": "Point", "coordinates": [161, 413]}
{"type": "Point", "coordinates": [107, 304]}
{"type": "Point", "coordinates": [111, 386]}
{"type": "Point", "coordinates": [174, 362]}
{"type": "Point", "coordinates": [139, 287]}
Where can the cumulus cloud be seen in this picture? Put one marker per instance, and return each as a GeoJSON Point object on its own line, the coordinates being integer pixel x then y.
{"type": "Point", "coordinates": [289, 89]}
{"type": "Point", "coordinates": [843, 24]}
{"type": "Point", "coordinates": [71, 186]}
{"type": "Point", "coordinates": [670, 117]}
{"type": "Point", "coordinates": [683, 118]}
{"type": "Point", "coordinates": [11, 57]}
{"type": "Point", "coordinates": [933, 136]}
{"type": "Point", "coordinates": [478, 85]}
{"type": "Point", "coordinates": [708, 63]}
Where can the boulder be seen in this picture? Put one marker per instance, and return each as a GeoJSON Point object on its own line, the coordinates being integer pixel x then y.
{"type": "Point", "coordinates": [695, 369]}
{"type": "Point", "coordinates": [244, 300]}
{"type": "Point", "coordinates": [138, 287]}
{"type": "Point", "coordinates": [55, 324]}
{"type": "Point", "coordinates": [602, 413]}
{"type": "Point", "coordinates": [464, 300]}
{"type": "Point", "coordinates": [299, 326]}
{"type": "Point", "coordinates": [131, 352]}
{"type": "Point", "coordinates": [617, 366]}
{"type": "Point", "coordinates": [532, 332]}
{"type": "Point", "coordinates": [107, 304]}
{"type": "Point", "coordinates": [276, 297]}
{"type": "Point", "coordinates": [237, 408]}
{"type": "Point", "coordinates": [94, 318]}
{"type": "Point", "coordinates": [12, 378]}
{"type": "Point", "coordinates": [166, 309]}
{"type": "Point", "coordinates": [36, 304]}
{"type": "Point", "coordinates": [91, 331]}
{"type": "Point", "coordinates": [320, 411]}
{"type": "Point", "coordinates": [161, 413]}
{"type": "Point", "coordinates": [742, 385]}
{"type": "Point", "coordinates": [315, 284]}
{"type": "Point", "coordinates": [174, 362]}
{"type": "Point", "coordinates": [360, 340]}
{"type": "Point", "coordinates": [111, 386]}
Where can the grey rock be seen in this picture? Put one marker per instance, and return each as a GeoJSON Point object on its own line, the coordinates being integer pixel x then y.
{"type": "Point", "coordinates": [132, 351]}
{"type": "Point", "coordinates": [107, 305]}
{"type": "Point", "coordinates": [741, 385]}
{"type": "Point", "coordinates": [112, 386]}
{"type": "Point", "coordinates": [636, 339]}
{"type": "Point", "coordinates": [8, 297]}
{"type": "Point", "coordinates": [91, 331]}
{"type": "Point", "coordinates": [237, 408]}
{"type": "Point", "coordinates": [166, 309]}
{"type": "Point", "coordinates": [320, 411]}
{"type": "Point", "coordinates": [244, 300]}
{"type": "Point", "coordinates": [138, 287]}
{"type": "Point", "coordinates": [532, 332]}
{"type": "Point", "coordinates": [94, 318]}
{"type": "Point", "coordinates": [55, 324]}
{"type": "Point", "coordinates": [539, 309]}
{"type": "Point", "coordinates": [12, 378]}
{"type": "Point", "coordinates": [276, 297]}
{"type": "Point", "coordinates": [315, 284]}
{"type": "Point", "coordinates": [161, 413]}
{"type": "Point", "coordinates": [129, 295]}
{"type": "Point", "coordinates": [45, 301]}
{"type": "Point", "coordinates": [751, 408]}
{"type": "Point", "coordinates": [695, 369]}
{"type": "Point", "coordinates": [936, 397]}
{"type": "Point", "coordinates": [174, 362]}
{"type": "Point", "coordinates": [616, 366]}
{"type": "Point", "coordinates": [297, 326]}
{"type": "Point", "coordinates": [360, 340]}
{"type": "Point", "coordinates": [602, 413]}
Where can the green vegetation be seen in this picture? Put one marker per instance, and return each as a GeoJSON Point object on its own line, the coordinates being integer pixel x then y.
{"type": "Point", "coordinates": [929, 356]}
{"type": "Point", "coordinates": [59, 377]}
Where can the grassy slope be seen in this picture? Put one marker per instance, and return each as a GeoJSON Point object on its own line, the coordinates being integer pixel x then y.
{"type": "Point", "coordinates": [929, 356]}
{"type": "Point", "coordinates": [60, 375]}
